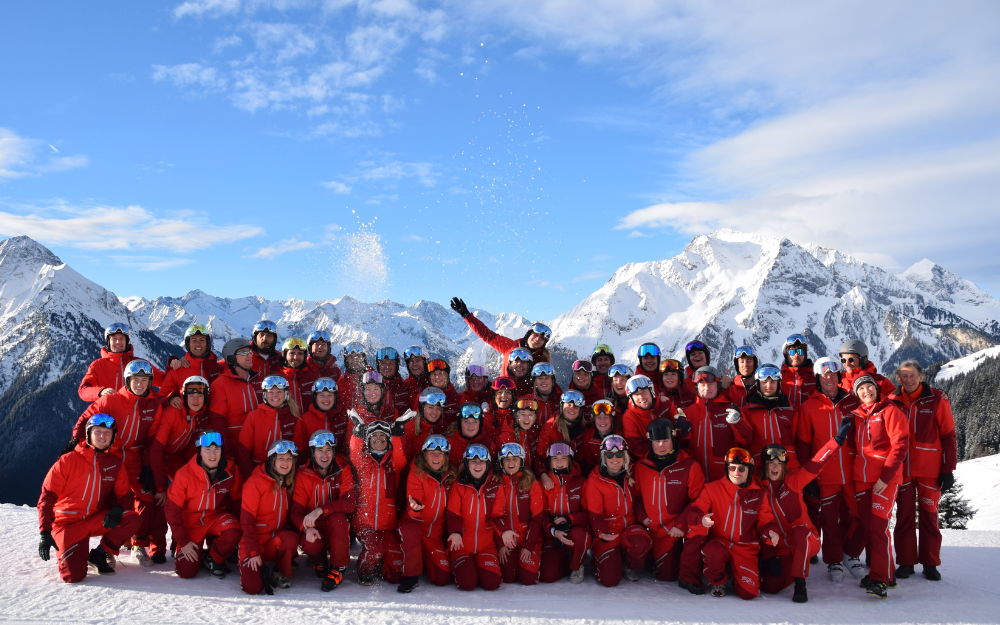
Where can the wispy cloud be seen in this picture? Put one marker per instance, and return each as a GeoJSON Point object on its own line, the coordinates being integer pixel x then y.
{"type": "Point", "coordinates": [591, 276]}
{"type": "Point", "coordinates": [396, 170]}
{"type": "Point", "coordinates": [21, 157]}
{"type": "Point", "coordinates": [190, 76]}
{"type": "Point", "coordinates": [282, 247]}
{"type": "Point", "coordinates": [337, 187]}
{"type": "Point", "coordinates": [150, 263]}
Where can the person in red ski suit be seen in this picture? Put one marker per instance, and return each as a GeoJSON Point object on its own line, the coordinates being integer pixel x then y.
{"type": "Point", "coordinates": [534, 339]}
{"type": "Point", "coordinates": [566, 526]}
{"type": "Point", "coordinates": [439, 377]}
{"type": "Point", "coordinates": [704, 428]}
{"type": "Point", "coordinates": [477, 385]}
{"type": "Point", "coordinates": [603, 424]}
{"type": "Point", "coordinates": [649, 365]}
{"type": "Point", "coordinates": [854, 357]}
{"type": "Point", "coordinates": [400, 395]}
{"type": "Point", "coordinates": [525, 431]}
{"type": "Point", "coordinates": [673, 393]}
{"type": "Point", "coordinates": [236, 392]}
{"type": "Point", "coordinates": [745, 364]}
{"type": "Point", "coordinates": [264, 345]}
{"type": "Point", "coordinates": [500, 412]}
{"type": "Point", "coordinates": [416, 359]}
{"type": "Point", "coordinates": [546, 391]}
{"type": "Point", "coordinates": [274, 420]}
{"type": "Point", "coordinates": [355, 366]}
{"type": "Point", "coordinates": [472, 547]}
{"type": "Point", "coordinates": [638, 416]}
{"type": "Point", "coordinates": [517, 516]}
{"type": "Point", "coordinates": [325, 413]}
{"type": "Point", "coordinates": [198, 361]}
{"type": "Point", "coordinates": [107, 374]}
{"type": "Point", "coordinates": [618, 396]}
{"type": "Point", "coordinates": [321, 360]}
{"type": "Point", "coordinates": [300, 377]}
{"type": "Point", "coordinates": [767, 417]}
{"type": "Point", "coordinates": [468, 431]}
{"type": "Point", "coordinates": [593, 387]}
{"type": "Point", "coordinates": [568, 427]}
{"type": "Point", "coordinates": [797, 378]}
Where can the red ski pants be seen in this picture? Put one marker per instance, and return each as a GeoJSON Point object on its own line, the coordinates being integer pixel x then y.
{"type": "Point", "coordinates": [842, 533]}
{"type": "Point", "coordinates": [630, 547]}
{"type": "Point", "coordinates": [559, 559]}
{"type": "Point", "coordinates": [794, 557]}
{"type": "Point", "coordinates": [923, 494]}
{"type": "Point", "coordinates": [380, 547]}
{"type": "Point", "coordinates": [335, 535]}
{"type": "Point", "coordinates": [472, 569]}
{"type": "Point", "coordinates": [422, 553]}
{"type": "Point", "coordinates": [874, 511]}
{"type": "Point", "coordinates": [741, 559]}
{"type": "Point", "coordinates": [73, 542]}
{"type": "Point", "coordinates": [527, 570]}
{"type": "Point", "coordinates": [225, 532]}
{"type": "Point", "coordinates": [678, 557]}
{"type": "Point", "coordinates": [280, 550]}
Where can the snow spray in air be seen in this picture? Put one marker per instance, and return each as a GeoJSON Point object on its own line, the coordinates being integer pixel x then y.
{"type": "Point", "coordinates": [362, 263]}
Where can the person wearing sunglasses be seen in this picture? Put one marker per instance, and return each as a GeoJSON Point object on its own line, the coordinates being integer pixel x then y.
{"type": "Point", "coordinates": [517, 516]}
{"type": "Point", "coordinates": [667, 480]}
{"type": "Point", "coordinates": [525, 431]}
{"type": "Point", "coordinates": [199, 360]}
{"type": "Point", "coordinates": [500, 410]}
{"type": "Point", "coordinates": [469, 430]}
{"type": "Point", "coordinates": [535, 338]}
{"type": "Point", "coordinates": [322, 500]}
{"type": "Point", "coordinates": [471, 539]}
{"type": "Point", "coordinates": [477, 384]}
{"type": "Point", "coordinates": [201, 499]}
{"type": "Point", "coordinates": [86, 493]}
{"type": "Point", "coordinates": [273, 420]}
{"type": "Point", "coordinates": [603, 423]}
{"type": "Point", "coordinates": [788, 560]}
{"type": "Point", "coordinates": [264, 515]}
{"type": "Point", "coordinates": [300, 377]}
{"type": "Point", "coordinates": [618, 395]}
{"type": "Point", "coordinates": [673, 393]}
{"type": "Point", "coordinates": [264, 345]}
{"type": "Point", "coordinates": [546, 390]}
{"type": "Point", "coordinates": [739, 519]}
{"type": "Point", "coordinates": [882, 440]}
{"type": "Point", "coordinates": [745, 364]}
{"type": "Point", "coordinates": [568, 427]}
{"type": "Point", "coordinates": [797, 379]}
{"type": "Point", "coordinates": [929, 471]}
{"type": "Point", "coordinates": [704, 426]}
{"type": "Point", "coordinates": [641, 406]}
{"type": "Point", "coordinates": [106, 375]}
{"type": "Point", "coordinates": [819, 419]}
{"type": "Point", "coordinates": [321, 360]}
{"type": "Point", "coordinates": [378, 460]}
{"type": "Point", "coordinates": [399, 394]}
{"type": "Point", "coordinates": [416, 358]}
{"type": "Point", "coordinates": [768, 418]}
{"type": "Point", "coordinates": [236, 392]}
{"type": "Point", "coordinates": [324, 413]}
{"type": "Point", "coordinates": [602, 359]}
{"type": "Point", "coordinates": [585, 381]}
{"type": "Point", "coordinates": [138, 413]}
{"type": "Point", "coordinates": [355, 365]}
{"type": "Point", "coordinates": [854, 358]}
{"type": "Point", "coordinates": [566, 526]}
{"type": "Point", "coordinates": [620, 543]}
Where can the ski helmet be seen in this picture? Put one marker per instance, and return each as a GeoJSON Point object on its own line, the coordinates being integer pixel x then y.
{"type": "Point", "coordinates": [101, 420]}
{"type": "Point", "coordinates": [745, 350]}
{"type": "Point", "coordinates": [614, 444]}
{"type": "Point", "coordinates": [378, 427]}
{"type": "Point", "coordinates": [857, 347]}
{"type": "Point", "coordinates": [317, 336]}
{"type": "Point", "coordinates": [196, 379]}
{"type": "Point", "coordinates": [602, 350]}
{"type": "Point", "coordinates": [542, 369]}
{"type": "Point", "coordinates": [540, 329]}
{"type": "Point", "coordinates": [697, 346]}
{"type": "Point", "coordinates": [477, 369]}
{"type": "Point", "coordinates": [138, 368]}
{"type": "Point", "coordinates": [264, 326]}
{"type": "Point", "coordinates": [827, 364]}
{"type": "Point", "coordinates": [231, 347]}
{"type": "Point", "coordinates": [415, 351]}
{"type": "Point", "coordinates": [660, 430]}
{"type": "Point", "coordinates": [740, 456]}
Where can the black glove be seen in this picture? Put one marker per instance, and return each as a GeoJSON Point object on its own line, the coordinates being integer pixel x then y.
{"type": "Point", "coordinates": [773, 566]}
{"type": "Point", "coordinates": [397, 428]}
{"type": "Point", "coordinates": [946, 481]}
{"type": "Point", "coordinates": [45, 544]}
{"type": "Point", "coordinates": [562, 525]}
{"type": "Point", "coordinates": [459, 306]}
{"type": "Point", "coordinates": [70, 446]}
{"type": "Point", "coordinates": [684, 426]}
{"type": "Point", "coordinates": [811, 489]}
{"type": "Point", "coordinates": [146, 479]}
{"type": "Point", "coordinates": [846, 425]}
{"type": "Point", "coordinates": [113, 517]}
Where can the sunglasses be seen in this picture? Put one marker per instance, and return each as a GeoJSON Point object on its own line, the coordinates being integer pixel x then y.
{"type": "Point", "coordinates": [737, 468]}
{"type": "Point", "coordinates": [614, 454]}
{"type": "Point", "coordinates": [849, 359]}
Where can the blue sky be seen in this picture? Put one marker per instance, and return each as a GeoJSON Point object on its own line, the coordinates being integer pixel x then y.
{"type": "Point", "coordinates": [514, 153]}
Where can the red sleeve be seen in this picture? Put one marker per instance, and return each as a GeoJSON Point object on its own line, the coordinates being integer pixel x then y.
{"type": "Point", "coordinates": [89, 390]}
{"type": "Point", "coordinates": [348, 500]}
{"type": "Point", "coordinates": [497, 341]}
{"type": "Point", "coordinates": [54, 484]}
{"type": "Point", "coordinates": [695, 487]}
{"type": "Point", "coordinates": [742, 429]}
{"type": "Point", "coordinates": [453, 518]}
{"type": "Point", "coordinates": [537, 503]}
{"type": "Point", "coordinates": [898, 428]}
{"type": "Point", "coordinates": [765, 519]}
{"type": "Point", "coordinates": [244, 453]}
{"type": "Point", "coordinates": [946, 430]}
{"type": "Point", "coordinates": [699, 508]}
{"type": "Point", "coordinates": [582, 517]}
{"type": "Point", "coordinates": [172, 510]}
{"type": "Point", "coordinates": [800, 477]}
{"type": "Point", "coordinates": [220, 401]}
{"type": "Point", "coordinates": [248, 520]}
{"type": "Point", "coordinates": [300, 502]}
{"type": "Point", "coordinates": [124, 494]}
{"type": "Point", "coordinates": [498, 516]}
{"type": "Point", "coordinates": [415, 489]}
{"type": "Point", "coordinates": [595, 506]}
{"type": "Point", "coordinates": [147, 450]}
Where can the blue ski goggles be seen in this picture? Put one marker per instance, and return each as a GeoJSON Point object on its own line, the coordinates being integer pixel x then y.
{"type": "Point", "coordinates": [387, 353]}
{"type": "Point", "coordinates": [436, 442]}
{"type": "Point", "coordinates": [324, 384]}
{"type": "Point", "coordinates": [282, 447]}
{"type": "Point", "coordinates": [744, 350]}
{"type": "Point", "coordinates": [322, 438]}
{"type": "Point", "coordinates": [476, 452]}
{"type": "Point", "coordinates": [768, 372]}
{"type": "Point", "coordinates": [573, 397]}
{"type": "Point", "coordinates": [471, 411]}
{"type": "Point", "coordinates": [648, 349]}
{"type": "Point", "coordinates": [207, 439]}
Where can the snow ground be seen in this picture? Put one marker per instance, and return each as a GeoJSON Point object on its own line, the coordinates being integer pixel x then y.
{"type": "Point", "coordinates": [980, 480]}
{"type": "Point", "coordinates": [31, 592]}
{"type": "Point", "coordinates": [966, 364]}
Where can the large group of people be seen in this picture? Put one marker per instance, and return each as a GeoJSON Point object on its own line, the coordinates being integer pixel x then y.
{"type": "Point", "coordinates": [269, 455]}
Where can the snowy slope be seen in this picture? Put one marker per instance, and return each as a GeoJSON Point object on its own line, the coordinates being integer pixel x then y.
{"type": "Point", "coordinates": [966, 364]}
{"type": "Point", "coordinates": [31, 592]}
{"type": "Point", "coordinates": [980, 480]}
{"type": "Point", "coordinates": [730, 288]}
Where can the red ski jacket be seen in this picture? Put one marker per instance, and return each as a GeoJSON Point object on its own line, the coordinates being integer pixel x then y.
{"type": "Point", "coordinates": [263, 426]}
{"type": "Point", "coordinates": [264, 511]}
{"type": "Point", "coordinates": [711, 437]}
{"type": "Point", "coordinates": [567, 499]}
{"type": "Point", "coordinates": [207, 367]}
{"type": "Point", "coordinates": [611, 505]}
{"type": "Point", "coordinates": [333, 493]}
{"type": "Point", "coordinates": [797, 383]}
{"type": "Point", "coordinates": [738, 392]}
{"type": "Point", "coordinates": [136, 420]}
{"type": "Point", "coordinates": [741, 515]}
{"type": "Point", "coordinates": [882, 439]}
{"type": "Point", "coordinates": [885, 386]}
{"type": "Point", "coordinates": [174, 444]}
{"type": "Point", "coordinates": [412, 443]}
{"type": "Point", "coordinates": [933, 449]}
{"type": "Point", "coordinates": [550, 434]}
{"type": "Point", "coordinates": [459, 444]}
{"type": "Point", "coordinates": [377, 482]}
{"type": "Point", "coordinates": [401, 395]}
{"type": "Point", "coordinates": [300, 386]}
{"type": "Point", "coordinates": [196, 501]}
{"type": "Point", "coordinates": [634, 423]}
{"type": "Point", "coordinates": [266, 366]}
{"type": "Point", "coordinates": [234, 398]}
{"type": "Point", "coordinates": [819, 419]}
{"type": "Point", "coordinates": [528, 440]}
{"type": "Point", "coordinates": [501, 343]}
{"type": "Point", "coordinates": [315, 419]}
{"type": "Point", "coordinates": [766, 421]}
{"type": "Point", "coordinates": [325, 369]}
{"type": "Point", "coordinates": [590, 448]}
{"type": "Point", "coordinates": [520, 511]}
{"type": "Point", "coordinates": [108, 371]}
{"type": "Point", "coordinates": [470, 511]}
{"type": "Point", "coordinates": [432, 494]}
{"type": "Point", "coordinates": [663, 495]}
{"type": "Point", "coordinates": [785, 496]}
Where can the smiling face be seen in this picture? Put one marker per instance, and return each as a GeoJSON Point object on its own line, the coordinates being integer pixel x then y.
{"type": "Point", "coordinates": [602, 363]}
{"type": "Point", "coordinates": [868, 393]}
{"type": "Point", "coordinates": [477, 467]}
{"type": "Point", "coordinates": [275, 397]}
{"type": "Point", "coordinates": [746, 365]}
{"type": "Point", "coordinates": [796, 360]}
{"type": "Point", "coordinates": [519, 368]}
{"type": "Point", "coordinates": [323, 456]}
{"type": "Point", "coordinates": [649, 363]}
{"type": "Point", "coordinates": [618, 384]}
{"type": "Point", "coordinates": [378, 442]}
{"type": "Point", "coordinates": [671, 379]}
{"type": "Point", "coordinates": [571, 412]}
{"type": "Point", "coordinates": [582, 379]}
{"type": "Point", "coordinates": [476, 383]}
{"type": "Point", "coordinates": [320, 350]}
{"type": "Point", "coordinates": [388, 367]}
{"type": "Point", "coordinates": [511, 465]}
{"type": "Point", "coordinates": [283, 463]}
{"type": "Point", "coordinates": [543, 384]}
{"type": "Point", "coordinates": [614, 464]}
{"type": "Point", "coordinates": [643, 398]}
{"type": "Point", "coordinates": [603, 423]}
{"type": "Point", "coordinates": [195, 401]}
{"type": "Point", "coordinates": [850, 362]}
{"type": "Point", "coordinates": [373, 393]}
{"type": "Point", "coordinates": [417, 366]}
{"type": "Point", "coordinates": [910, 378]}
{"type": "Point", "coordinates": [775, 470]}
{"type": "Point", "coordinates": [526, 419]}
{"type": "Point", "coordinates": [438, 378]}
{"type": "Point", "coordinates": [295, 358]}
{"type": "Point", "coordinates": [210, 456]}
{"type": "Point", "coordinates": [738, 473]}
{"type": "Point", "coordinates": [708, 390]}
{"type": "Point", "coordinates": [535, 341]}
{"type": "Point", "coordinates": [470, 427]}
{"type": "Point", "coordinates": [117, 343]}
{"type": "Point", "coordinates": [435, 459]}
{"type": "Point", "coordinates": [829, 382]}
{"type": "Point", "coordinates": [432, 412]}
{"type": "Point", "coordinates": [100, 437]}
{"type": "Point", "coordinates": [698, 359]}
{"type": "Point", "coordinates": [503, 398]}
{"type": "Point", "coordinates": [559, 462]}
{"type": "Point", "coordinates": [769, 387]}
{"type": "Point", "coordinates": [138, 384]}
{"type": "Point", "coordinates": [325, 400]}
{"type": "Point", "coordinates": [198, 345]}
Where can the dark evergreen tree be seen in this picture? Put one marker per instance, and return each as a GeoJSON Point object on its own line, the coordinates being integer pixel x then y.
{"type": "Point", "coordinates": [955, 511]}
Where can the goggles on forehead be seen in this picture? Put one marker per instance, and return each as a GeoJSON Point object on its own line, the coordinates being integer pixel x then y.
{"type": "Point", "coordinates": [265, 326]}
{"type": "Point", "coordinates": [511, 450]}
{"type": "Point", "coordinates": [101, 420]}
{"type": "Point", "coordinates": [476, 452]}
{"type": "Point", "coordinates": [476, 370]}
{"type": "Point", "coordinates": [207, 439]}
{"type": "Point", "coordinates": [138, 368]}
{"type": "Point", "coordinates": [293, 342]}
{"type": "Point", "coordinates": [583, 365]}
{"type": "Point", "coordinates": [670, 365]}
{"type": "Point", "coordinates": [527, 404]}
{"type": "Point", "coordinates": [436, 442]}
{"type": "Point", "coordinates": [324, 384]}
{"type": "Point", "coordinates": [694, 345]}
{"type": "Point", "coordinates": [519, 353]}
{"type": "Point", "coordinates": [560, 449]}
{"type": "Point", "coordinates": [415, 350]}
{"type": "Point", "coordinates": [433, 398]}
{"type": "Point", "coordinates": [386, 353]}
{"type": "Point", "coordinates": [602, 407]}
{"type": "Point", "coordinates": [372, 377]}
{"type": "Point", "coordinates": [196, 329]}
{"type": "Point", "coordinates": [320, 335]}
{"type": "Point", "coordinates": [796, 338]}
{"type": "Point", "coordinates": [603, 350]}
{"type": "Point", "coordinates": [503, 382]}
{"type": "Point", "coordinates": [541, 329]}
{"type": "Point", "coordinates": [323, 438]}
{"type": "Point", "coordinates": [637, 382]}
{"type": "Point", "coordinates": [354, 348]}
{"type": "Point", "coordinates": [744, 350]}
{"type": "Point", "coordinates": [542, 368]}
{"type": "Point", "coordinates": [829, 366]}
{"type": "Point", "coordinates": [274, 381]}
{"type": "Point", "coordinates": [768, 372]}
{"type": "Point", "coordinates": [116, 328]}
{"type": "Point", "coordinates": [738, 455]}
{"type": "Point", "coordinates": [776, 452]}
{"type": "Point", "coordinates": [573, 397]}
{"type": "Point", "coordinates": [437, 365]}
{"type": "Point", "coordinates": [704, 376]}
{"type": "Point", "coordinates": [283, 447]}
{"type": "Point", "coordinates": [619, 370]}
{"type": "Point", "coordinates": [648, 349]}
{"type": "Point", "coordinates": [471, 411]}
{"type": "Point", "coordinates": [613, 442]}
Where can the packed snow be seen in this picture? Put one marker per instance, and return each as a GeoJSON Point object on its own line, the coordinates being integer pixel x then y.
{"type": "Point", "coordinates": [966, 364]}
{"type": "Point", "coordinates": [980, 480]}
{"type": "Point", "coordinates": [32, 592]}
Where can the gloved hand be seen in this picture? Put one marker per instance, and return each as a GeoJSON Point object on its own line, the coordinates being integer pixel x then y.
{"type": "Point", "coordinates": [683, 425]}
{"type": "Point", "coordinates": [732, 416]}
{"type": "Point", "coordinates": [146, 479]}
{"type": "Point", "coordinates": [846, 425]}
{"type": "Point", "coordinates": [946, 481]}
{"type": "Point", "coordinates": [70, 446]}
{"type": "Point", "coordinates": [459, 306]}
{"type": "Point", "coordinates": [409, 414]}
{"type": "Point", "coordinates": [397, 427]}
{"type": "Point", "coordinates": [45, 544]}
{"type": "Point", "coordinates": [773, 566]}
{"type": "Point", "coordinates": [811, 489]}
{"type": "Point", "coordinates": [562, 525]}
{"type": "Point", "coordinates": [113, 517]}
{"type": "Point", "coordinates": [360, 429]}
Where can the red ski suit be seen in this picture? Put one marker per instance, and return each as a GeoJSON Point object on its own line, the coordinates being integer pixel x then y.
{"type": "Point", "coordinates": [374, 520]}
{"type": "Point", "coordinates": [108, 371]}
{"type": "Point", "coordinates": [567, 499]}
{"type": "Point", "coordinates": [797, 383]}
{"type": "Point", "coordinates": [266, 531]}
{"type": "Point", "coordinates": [527, 439]}
{"type": "Point", "coordinates": [501, 343]}
{"type": "Point", "coordinates": [207, 367]}
{"type": "Point", "coordinates": [335, 495]}
{"type": "Point", "coordinates": [521, 512]}
{"type": "Point", "coordinates": [300, 386]}
{"type": "Point", "coordinates": [234, 398]}
{"type": "Point", "coordinates": [175, 440]}
{"type": "Point", "coordinates": [885, 385]}
{"type": "Point", "coordinates": [611, 506]}
{"type": "Point", "coordinates": [590, 448]}
{"type": "Point", "coordinates": [768, 421]}
{"type": "Point", "coordinates": [710, 438]}
{"type": "Point", "coordinates": [315, 419]}
{"type": "Point", "coordinates": [421, 532]}
{"type": "Point", "coordinates": [470, 507]}
{"type": "Point", "coordinates": [264, 426]}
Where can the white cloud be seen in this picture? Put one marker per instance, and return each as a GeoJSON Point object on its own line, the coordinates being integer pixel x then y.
{"type": "Point", "coordinates": [337, 187]}
{"type": "Point", "coordinates": [397, 170]}
{"type": "Point", "coordinates": [190, 75]}
{"type": "Point", "coordinates": [591, 276]}
{"type": "Point", "coordinates": [114, 228]}
{"type": "Point", "coordinates": [282, 247]}
{"type": "Point", "coordinates": [221, 43]}
{"type": "Point", "coordinates": [150, 263]}
{"type": "Point", "coordinates": [21, 157]}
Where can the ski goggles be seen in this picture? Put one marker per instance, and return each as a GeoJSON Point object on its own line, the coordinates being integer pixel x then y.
{"type": "Point", "coordinates": [768, 372]}
{"type": "Point", "coordinates": [613, 443]}
{"type": "Point", "coordinates": [519, 353]}
{"type": "Point", "coordinates": [542, 368]}
{"type": "Point", "coordinates": [436, 442]}
{"type": "Point", "coordinates": [265, 326]}
{"type": "Point", "coordinates": [583, 365]}
{"type": "Point", "coordinates": [207, 439]}
{"type": "Point", "coordinates": [101, 420]}
{"type": "Point", "coordinates": [324, 384]}
{"type": "Point", "coordinates": [602, 407]}
{"type": "Point", "coordinates": [354, 348]}
{"type": "Point", "coordinates": [138, 368]}
{"type": "Point", "coordinates": [648, 349]}
{"type": "Point", "coordinates": [619, 370]}
{"type": "Point", "coordinates": [744, 350]}
{"type": "Point", "coordinates": [503, 382]}
{"type": "Point", "coordinates": [541, 329]}
{"type": "Point", "coordinates": [437, 365]}
{"type": "Point", "coordinates": [323, 438]}
{"type": "Point", "coordinates": [828, 366]}
{"type": "Point", "coordinates": [293, 342]}
{"type": "Point", "coordinates": [471, 411]}
{"type": "Point", "coordinates": [694, 345]}
{"type": "Point", "coordinates": [671, 365]}
{"type": "Point", "coordinates": [243, 351]}
{"type": "Point", "coordinates": [638, 382]}
{"type": "Point", "coordinates": [560, 449]}
{"type": "Point", "coordinates": [320, 335]}
{"type": "Point", "coordinates": [196, 329]}
{"type": "Point", "coordinates": [527, 404]}
{"type": "Point", "coordinates": [738, 455]}
{"type": "Point", "coordinates": [372, 377]}
{"type": "Point", "coordinates": [116, 328]}
{"type": "Point", "coordinates": [197, 388]}
{"type": "Point", "coordinates": [387, 353]}
{"type": "Point", "coordinates": [511, 450]}
{"type": "Point", "coordinates": [274, 381]}
{"type": "Point", "coordinates": [476, 452]}
{"type": "Point", "coordinates": [775, 452]}
{"type": "Point", "coordinates": [796, 338]}
{"type": "Point", "coordinates": [282, 447]}
{"type": "Point", "coordinates": [477, 370]}
{"type": "Point", "coordinates": [796, 351]}
{"type": "Point", "coordinates": [415, 351]}
{"type": "Point", "coordinates": [573, 397]}
{"type": "Point", "coordinates": [603, 350]}
{"type": "Point", "coordinates": [704, 376]}
{"type": "Point", "coordinates": [433, 398]}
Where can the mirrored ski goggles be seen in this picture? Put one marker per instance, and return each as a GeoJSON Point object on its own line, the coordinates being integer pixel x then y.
{"type": "Point", "coordinates": [503, 382]}
{"type": "Point", "coordinates": [274, 381]}
{"type": "Point", "coordinates": [583, 365]}
{"type": "Point", "coordinates": [796, 351]}
{"type": "Point", "coordinates": [738, 455]}
{"type": "Point", "coordinates": [477, 370]}
{"type": "Point", "coordinates": [320, 335]}
{"type": "Point", "coordinates": [694, 345]}
{"type": "Point", "coordinates": [282, 447]}
{"type": "Point", "coordinates": [542, 368]}
{"type": "Point", "coordinates": [138, 368]}
{"type": "Point", "coordinates": [671, 365]}
{"type": "Point", "coordinates": [436, 442]}
{"type": "Point", "coordinates": [768, 372]}
{"type": "Point", "coordinates": [243, 351]}
{"type": "Point", "coordinates": [511, 450]}
{"type": "Point", "coordinates": [476, 452]}
{"type": "Point", "coordinates": [573, 397]}
{"type": "Point", "coordinates": [602, 407]}
{"type": "Point", "coordinates": [560, 449]}
{"type": "Point", "coordinates": [116, 328]}
{"type": "Point", "coordinates": [744, 350]}
{"type": "Point", "coordinates": [437, 365]}
{"type": "Point", "coordinates": [776, 452]}
{"type": "Point", "coordinates": [265, 326]}
{"type": "Point", "coordinates": [207, 439]}
{"type": "Point", "coordinates": [638, 382]}
{"type": "Point", "coordinates": [527, 404]}
{"type": "Point", "coordinates": [387, 353]}
{"type": "Point", "coordinates": [796, 338]}
{"type": "Point", "coordinates": [603, 350]}
{"type": "Point", "coordinates": [372, 377]}
{"type": "Point", "coordinates": [541, 329]}
{"type": "Point", "coordinates": [519, 353]}
{"type": "Point", "coordinates": [619, 370]}
{"type": "Point", "coordinates": [323, 438]}
{"type": "Point", "coordinates": [434, 398]}
{"type": "Point", "coordinates": [415, 350]}
{"type": "Point", "coordinates": [293, 342]}
{"type": "Point", "coordinates": [471, 411]}
{"type": "Point", "coordinates": [195, 388]}
{"type": "Point", "coordinates": [324, 384]}
{"type": "Point", "coordinates": [828, 366]}
{"type": "Point", "coordinates": [704, 376]}
{"type": "Point", "coordinates": [195, 330]}
{"type": "Point", "coordinates": [648, 349]}
{"type": "Point", "coordinates": [101, 420]}
{"type": "Point", "coordinates": [354, 348]}
{"type": "Point", "coordinates": [613, 443]}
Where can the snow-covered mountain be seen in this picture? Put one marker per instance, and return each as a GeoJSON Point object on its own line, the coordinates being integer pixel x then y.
{"type": "Point", "coordinates": [729, 288]}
